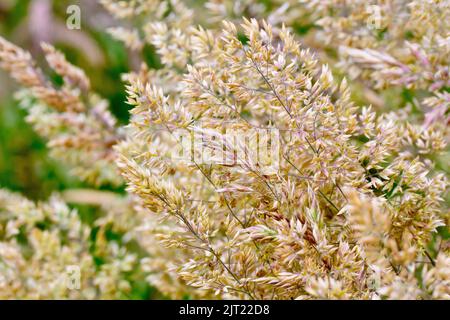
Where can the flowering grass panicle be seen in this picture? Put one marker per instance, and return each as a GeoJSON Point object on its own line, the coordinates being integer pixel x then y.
{"type": "Point", "coordinates": [302, 231]}
{"type": "Point", "coordinates": [349, 204]}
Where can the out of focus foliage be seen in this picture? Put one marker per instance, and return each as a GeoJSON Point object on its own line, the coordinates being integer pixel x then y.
{"type": "Point", "coordinates": [24, 162]}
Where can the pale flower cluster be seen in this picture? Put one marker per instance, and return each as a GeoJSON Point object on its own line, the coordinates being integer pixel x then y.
{"type": "Point", "coordinates": [355, 208]}
{"type": "Point", "coordinates": [46, 252]}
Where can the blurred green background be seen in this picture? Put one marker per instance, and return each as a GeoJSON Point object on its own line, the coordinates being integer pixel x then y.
{"type": "Point", "coordinates": [25, 165]}
{"type": "Point", "coordinates": [24, 162]}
